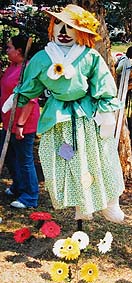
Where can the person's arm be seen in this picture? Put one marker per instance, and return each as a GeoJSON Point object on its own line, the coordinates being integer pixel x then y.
{"type": "Point", "coordinates": [25, 113]}
{"type": "Point", "coordinates": [120, 66]}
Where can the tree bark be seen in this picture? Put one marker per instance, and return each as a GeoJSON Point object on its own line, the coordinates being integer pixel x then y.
{"type": "Point", "coordinates": [104, 48]}
{"type": "Point", "coordinates": [125, 152]}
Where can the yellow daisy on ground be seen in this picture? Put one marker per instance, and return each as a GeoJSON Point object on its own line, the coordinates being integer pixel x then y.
{"type": "Point", "coordinates": [70, 249]}
{"type": "Point", "coordinates": [89, 272]}
{"type": "Point", "coordinates": [59, 271]}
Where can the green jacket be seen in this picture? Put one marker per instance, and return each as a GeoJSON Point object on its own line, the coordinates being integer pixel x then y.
{"type": "Point", "coordinates": [92, 88]}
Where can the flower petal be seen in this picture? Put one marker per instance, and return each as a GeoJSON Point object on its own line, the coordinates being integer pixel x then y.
{"type": "Point", "coordinates": [58, 246]}
{"type": "Point", "coordinates": [70, 249]}
{"type": "Point", "coordinates": [50, 229]}
{"type": "Point", "coordinates": [89, 272]}
{"type": "Point", "coordinates": [105, 244]}
{"type": "Point", "coordinates": [69, 72]}
{"type": "Point", "coordinates": [59, 271]}
{"type": "Point", "coordinates": [51, 74]}
{"type": "Point", "coordinates": [40, 215]}
{"type": "Point", "coordinates": [21, 235]}
{"type": "Point", "coordinates": [82, 238]}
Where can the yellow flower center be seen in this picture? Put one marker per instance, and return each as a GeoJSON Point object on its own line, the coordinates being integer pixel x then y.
{"type": "Point", "coordinates": [59, 271]}
{"type": "Point", "coordinates": [58, 69]}
{"type": "Point", "coordinates": [70, 248]}
{"type": "Point", "coordinates": [90, 271]}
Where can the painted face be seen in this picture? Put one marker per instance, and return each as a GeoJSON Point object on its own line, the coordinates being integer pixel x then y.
{"type": "Point", "coordinates": [63, 33]}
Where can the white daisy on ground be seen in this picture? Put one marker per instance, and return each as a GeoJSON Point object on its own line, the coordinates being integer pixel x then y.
{"type": "Point", "coordinates": [82, 238]}
{"type": "Point", "coordinates": [58, 246]}
{"type": "Point", "coordinates": [105, 244]}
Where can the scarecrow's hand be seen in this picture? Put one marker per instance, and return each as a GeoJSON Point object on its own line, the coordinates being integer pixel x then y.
{"type": "Point", "coordinates": [8, 104]}
{"type": "Point", "coordinates": [107, 123]}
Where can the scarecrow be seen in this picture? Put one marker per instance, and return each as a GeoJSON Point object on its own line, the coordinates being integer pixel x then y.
{"type": "Point", "coordinates": [77, 149]}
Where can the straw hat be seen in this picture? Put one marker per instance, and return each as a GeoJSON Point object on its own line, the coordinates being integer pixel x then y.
{"type": "Point", "coordinates": [78, 18]}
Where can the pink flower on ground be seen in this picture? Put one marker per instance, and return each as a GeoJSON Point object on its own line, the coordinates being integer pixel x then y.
{"type": "Point", "coordinates": [50, 229]}
{"type": "Point", "coordinates": [40, 216]}
{"type": "Point", "coordinates": [21, 235]}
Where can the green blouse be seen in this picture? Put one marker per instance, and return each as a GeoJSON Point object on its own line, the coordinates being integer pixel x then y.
{"type": "Point", "coordinates": [92, 88]}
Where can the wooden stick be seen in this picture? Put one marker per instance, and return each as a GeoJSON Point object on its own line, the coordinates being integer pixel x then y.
{"type": "Point", "coordinates": [122, 93]}
{"type": "Point", "coordinates": [13, 110]}
{"type": "Point", "coordinates": [79, 224]}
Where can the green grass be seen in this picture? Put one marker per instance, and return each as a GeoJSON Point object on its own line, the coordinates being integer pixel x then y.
{"type": "Point", "coordinates": [120, 47]}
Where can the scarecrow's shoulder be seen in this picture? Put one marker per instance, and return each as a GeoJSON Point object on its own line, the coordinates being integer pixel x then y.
{"type": "Point", "coordinates": [40, 57]}
{"type": "Point", "coordinates": [92, 51]}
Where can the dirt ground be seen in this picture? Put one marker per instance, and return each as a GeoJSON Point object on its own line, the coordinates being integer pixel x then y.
{"type": "Point", "coordinates": [30, 262]}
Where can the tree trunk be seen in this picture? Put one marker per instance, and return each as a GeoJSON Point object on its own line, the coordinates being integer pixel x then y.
{"type": "Point", "coordinates": [125, 152]}
{"type": "Point", "coordinates": [104, 45]}
{"type": "Point", "coordinates": [104, 48]}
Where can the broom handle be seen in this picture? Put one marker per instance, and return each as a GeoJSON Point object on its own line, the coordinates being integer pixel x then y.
{"type": "Point", "coordinates": [13, 110]}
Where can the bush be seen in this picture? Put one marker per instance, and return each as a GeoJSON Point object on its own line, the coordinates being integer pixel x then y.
{"type": "Point", "coordinates": [35, 26]}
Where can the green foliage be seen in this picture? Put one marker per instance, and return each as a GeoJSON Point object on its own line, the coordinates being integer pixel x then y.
{"type": "Point", "coordinates": [34, 26]}
{"type": "Point", "coordinates": [4, 3]}
{"type": "Point", "coordinates": [118, 13]}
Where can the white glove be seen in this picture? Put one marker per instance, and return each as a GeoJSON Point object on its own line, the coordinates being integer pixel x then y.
{"type": "Point", "coordinates": [107, 123]}
{"type": "Point", "coordinates": [8, 104]}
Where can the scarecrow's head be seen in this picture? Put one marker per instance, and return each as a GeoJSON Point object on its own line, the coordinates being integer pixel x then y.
{"type": "Point", "coordinates": [73, 24]}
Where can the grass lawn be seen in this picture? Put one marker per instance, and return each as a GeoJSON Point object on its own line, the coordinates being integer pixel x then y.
{"type": "Point", "coordinates": [31, 261]}
{"type": "Point", "coordinates": [120, 47]}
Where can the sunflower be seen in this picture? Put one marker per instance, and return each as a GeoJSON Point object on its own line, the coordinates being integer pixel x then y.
{"type": "Point", "coordinates": [58, 69]}
{"type": "Point", "coordinates": [89, 272]}
{"type": "Point", "coordinates": [70, 249]}
{"type": "Point", "coordinates": [59, 271]}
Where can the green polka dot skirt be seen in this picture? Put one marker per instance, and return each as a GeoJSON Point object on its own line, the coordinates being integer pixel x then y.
{"type": "Point", "coordinates": [91, 178]}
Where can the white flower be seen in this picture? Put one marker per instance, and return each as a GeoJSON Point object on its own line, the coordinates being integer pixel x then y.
{"type": "Point", "coordinates": [82, 238]}
{"type": "Point", "coordinates": [57, 70]}
{"type": "Point", "coordinates": [0, 219]}
{"type": "Point", "coordinates": [105, 244]}
{"type": "Point", "coordinates": [58, 246]}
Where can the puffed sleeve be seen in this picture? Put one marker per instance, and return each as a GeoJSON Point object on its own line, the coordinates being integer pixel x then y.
{"type": "Point", "coordinates": [31, 86]}
{"type": "Point", "coordinates": [102, 86]}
